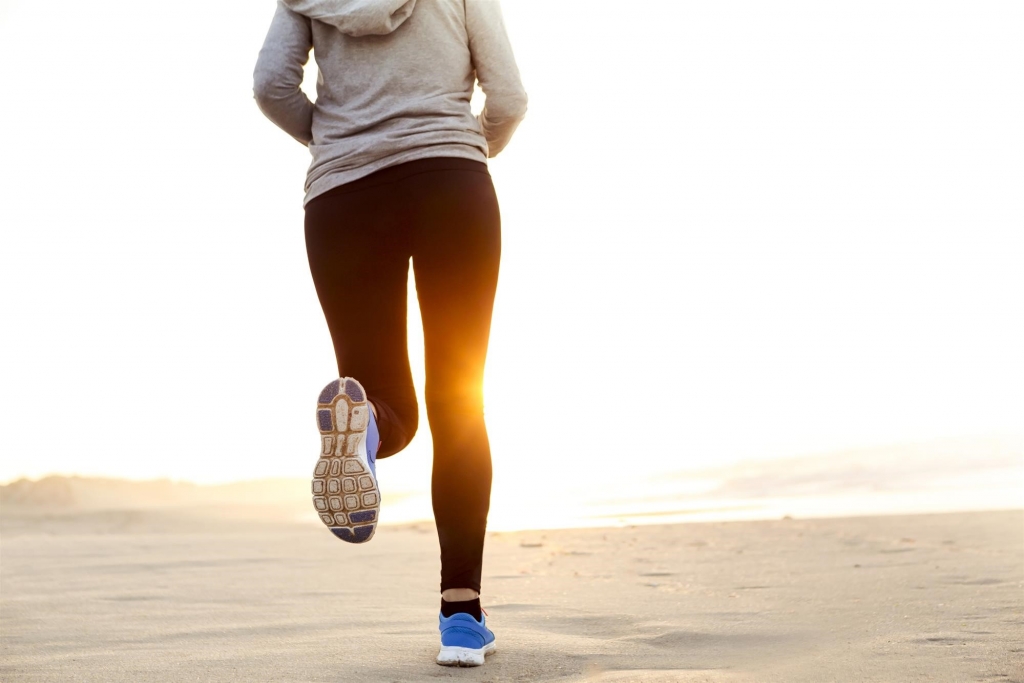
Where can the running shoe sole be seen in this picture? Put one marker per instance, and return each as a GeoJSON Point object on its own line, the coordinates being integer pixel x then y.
{"type": "Point", "coordinates": [451, 655]}
{"type": "Point", "coordinates": [345, 492]}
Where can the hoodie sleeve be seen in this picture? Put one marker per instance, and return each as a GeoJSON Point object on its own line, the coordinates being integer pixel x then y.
{"type": "Point", "coordinates": [496, 70]}
{"type": "Point", "coordinates": [278, 74]}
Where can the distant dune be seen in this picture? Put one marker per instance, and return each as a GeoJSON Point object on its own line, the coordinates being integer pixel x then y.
{"type": "Point", "coordinates": [90, 493]}
{"type": "Point", "coordinates": [69, 505]}
{"type": "Point", "coordinates": [869, 470]}
{"type": "Point", "coordinates": [944, 475]}
{"type": "Point", "coordinates": [939, 476]}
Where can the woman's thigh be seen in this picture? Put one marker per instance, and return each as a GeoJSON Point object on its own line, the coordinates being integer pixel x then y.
{"type": "Point", "coordinates": [358, 250]}
{"type": "Point", "coordinates": [456, 253]}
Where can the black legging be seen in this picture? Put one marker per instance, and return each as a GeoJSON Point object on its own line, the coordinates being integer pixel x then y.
{"type": "Point", "coordinates": [442, 213]}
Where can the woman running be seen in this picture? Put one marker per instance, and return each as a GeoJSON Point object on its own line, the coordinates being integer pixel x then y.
{"type": "Point", "coordinates": [399, 172]}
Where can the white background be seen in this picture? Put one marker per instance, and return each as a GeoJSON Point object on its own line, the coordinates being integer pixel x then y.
{"type": "Point", "coordinates": [732, 230]}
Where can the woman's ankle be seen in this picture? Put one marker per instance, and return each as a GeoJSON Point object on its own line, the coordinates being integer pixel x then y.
{"type": "Point", "coordinates": [459, 594]}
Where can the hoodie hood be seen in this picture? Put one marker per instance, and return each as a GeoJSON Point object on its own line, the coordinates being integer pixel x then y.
{"type": "Point", "coordinates": [356, 17]}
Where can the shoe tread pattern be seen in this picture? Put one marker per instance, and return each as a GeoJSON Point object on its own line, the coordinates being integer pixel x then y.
{"type": "Point", "coordinates": [345, 496]}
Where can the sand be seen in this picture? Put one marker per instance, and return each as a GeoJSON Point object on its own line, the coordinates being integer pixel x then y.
{"type": "Point", "coordinates": [171, 596]}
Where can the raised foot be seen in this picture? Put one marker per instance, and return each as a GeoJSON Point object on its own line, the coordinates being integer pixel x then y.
{"type": "Point", "coordinates": [345, 492]}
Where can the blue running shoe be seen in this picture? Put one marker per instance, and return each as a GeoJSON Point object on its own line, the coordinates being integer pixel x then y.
{"type": "Point", "coordinates": [345, 492]}
{"type": "Point", "coordinates": [464, 640]}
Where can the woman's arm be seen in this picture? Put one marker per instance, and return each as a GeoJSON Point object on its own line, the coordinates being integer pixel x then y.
{"type": "Point", "coordinates": [278, 74]}
{"type": "Point", "coordinates": [505, 103]}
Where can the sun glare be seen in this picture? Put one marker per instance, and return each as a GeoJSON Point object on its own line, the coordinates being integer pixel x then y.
{"type": "Point", "coordinates": [735, 237]}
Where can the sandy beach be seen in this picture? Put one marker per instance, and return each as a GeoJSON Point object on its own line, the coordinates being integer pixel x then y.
{"type": "Point", "coordinates": [204, 595]}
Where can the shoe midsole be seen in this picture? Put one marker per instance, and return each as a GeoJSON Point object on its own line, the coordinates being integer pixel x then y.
{"type": "Point", "coordinates": [457, 650]}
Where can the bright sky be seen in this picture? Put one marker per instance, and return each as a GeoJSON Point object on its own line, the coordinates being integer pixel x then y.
{"type": "Point", "coordinates": [732, 230]}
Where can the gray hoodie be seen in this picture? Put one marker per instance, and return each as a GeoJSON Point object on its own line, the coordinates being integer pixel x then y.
{"type": "Point", "coordinates": [395, 81]}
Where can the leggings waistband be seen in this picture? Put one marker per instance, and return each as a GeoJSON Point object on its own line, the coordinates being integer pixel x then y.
{"type": "Point", "coordinates": [397, 172]}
